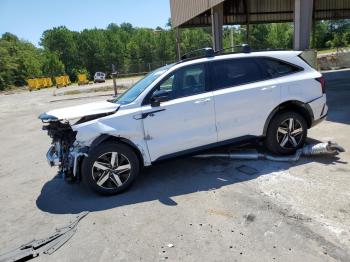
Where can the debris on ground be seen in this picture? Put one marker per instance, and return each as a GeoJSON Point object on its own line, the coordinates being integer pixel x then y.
{"type": "Point", "coordinates": [46, 245]}
{"type": "Point", "coordinates": [247, 170]}
{"type": "Point", "coordinates": [249, 218]}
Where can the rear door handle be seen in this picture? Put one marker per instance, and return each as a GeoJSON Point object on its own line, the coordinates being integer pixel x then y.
{"type": "Point", "coordinates": [200, 101]}
{"type": "Point", "coordinates": [266, 88]}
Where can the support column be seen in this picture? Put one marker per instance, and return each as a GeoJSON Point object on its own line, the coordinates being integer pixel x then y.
{"type": "Point", "coordinates": [178, 46]}
{"type": "Point", "coordinates": [247, 10]}
{"type": "Point", "coordinates": [303, 10]}
{"type": "Point", "coordinates": [217, 21]}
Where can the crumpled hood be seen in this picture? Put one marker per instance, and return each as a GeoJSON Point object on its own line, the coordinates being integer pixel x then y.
{"type": "Point", "coordinates": [74, 112]}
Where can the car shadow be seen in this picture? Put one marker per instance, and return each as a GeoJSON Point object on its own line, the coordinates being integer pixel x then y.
{"type": "Point", "coordinates": [162, 182]}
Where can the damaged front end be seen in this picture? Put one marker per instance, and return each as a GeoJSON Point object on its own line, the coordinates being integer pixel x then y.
{"type": "Point", "coordinates": [64, 151]}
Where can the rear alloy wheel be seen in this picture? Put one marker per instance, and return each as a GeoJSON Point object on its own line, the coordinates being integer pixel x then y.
{"type": "Point", "coordinates": [286, 133]}
{"type": "Point", "coordinates": [110, 168]}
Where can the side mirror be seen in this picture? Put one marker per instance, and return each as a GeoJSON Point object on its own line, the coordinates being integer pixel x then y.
{"type": "Point", "coordinates": [159, 97]}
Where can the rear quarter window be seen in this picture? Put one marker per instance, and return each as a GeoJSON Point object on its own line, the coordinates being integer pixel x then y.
{"type": "Point", "coordinates": [276, 68]}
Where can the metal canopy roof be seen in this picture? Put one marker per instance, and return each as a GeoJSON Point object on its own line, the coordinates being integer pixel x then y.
{"type": "Point", "coordinates": [191, 13]}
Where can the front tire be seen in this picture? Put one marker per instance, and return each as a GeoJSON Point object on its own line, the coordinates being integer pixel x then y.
{"type": "Point", "coordinates": [110, 168]}
{"type": "Point", "coordinates": [286, 133]}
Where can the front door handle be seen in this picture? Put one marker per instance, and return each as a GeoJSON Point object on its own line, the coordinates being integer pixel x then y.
{"type": "Point", "coordinates": [200, 101]}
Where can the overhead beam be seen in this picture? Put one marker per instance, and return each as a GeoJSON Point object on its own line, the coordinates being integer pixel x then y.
{"type": "Point", "coordinates": [217, 22]}
{"type": "Point", "coordinates": [303, 13]}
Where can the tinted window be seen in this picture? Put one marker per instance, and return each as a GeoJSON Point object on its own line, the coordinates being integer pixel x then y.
{"type": "Point", "coordinates": [276, 68]}
{"type": "Point", "coordinates": [140, 86]}
{"type": "Point", "coordinates": [229, 73]}
{"type": "Point", "coordinates": [183, 82]}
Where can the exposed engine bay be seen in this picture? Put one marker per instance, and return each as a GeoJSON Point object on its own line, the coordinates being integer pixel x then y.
{"type": "Point", "coordinates": [62, 153]}
{"type": "Point", "coordinates": [66, 151]}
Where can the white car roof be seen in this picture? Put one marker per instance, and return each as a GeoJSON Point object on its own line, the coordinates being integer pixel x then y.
{"type": "Point", "coordinates": [283, 55]}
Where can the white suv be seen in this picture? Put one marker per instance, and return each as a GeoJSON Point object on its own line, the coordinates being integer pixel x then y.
{"type": "Point", "coordinates": [184, 108]}
{"type": "Point", "coordinates": [99, 77]}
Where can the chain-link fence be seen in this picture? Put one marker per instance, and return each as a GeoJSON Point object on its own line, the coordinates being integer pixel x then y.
{"type": "Point", "coordinates": [134, 69]}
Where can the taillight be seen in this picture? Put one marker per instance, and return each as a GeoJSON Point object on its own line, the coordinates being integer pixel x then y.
{"type": "Point", "coordinates": [323, 83]}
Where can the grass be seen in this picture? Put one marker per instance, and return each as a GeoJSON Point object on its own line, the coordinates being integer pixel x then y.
{"type": "Point", "coordinates": [325, 51]}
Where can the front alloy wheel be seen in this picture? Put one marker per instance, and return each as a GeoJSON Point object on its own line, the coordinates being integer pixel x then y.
{"type": "Point", "coordinates": [110, 168]}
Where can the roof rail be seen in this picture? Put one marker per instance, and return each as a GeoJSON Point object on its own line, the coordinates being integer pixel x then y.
{"type": "Point", "coordinates": [209, 52]}
{"type": "Point", "coordinates": [244, 48]}
{"type": "Point", "coordinates": [203, 52]}
{"type": "Point", "coordinates": [272, 49]}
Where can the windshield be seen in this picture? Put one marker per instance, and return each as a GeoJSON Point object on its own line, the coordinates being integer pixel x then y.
{"type": "Point", "coordinates": [131, 94]}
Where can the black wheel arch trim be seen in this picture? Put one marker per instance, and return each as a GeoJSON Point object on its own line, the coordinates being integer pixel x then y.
{"type": "Point", "coordinates": [104, 138]}
{"type": "Point", "coordinates": [303, 108]}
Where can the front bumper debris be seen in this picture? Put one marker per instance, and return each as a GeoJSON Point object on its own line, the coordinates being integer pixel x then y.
{"type": "Point", "coordinates": [53, 155]}
{"type": "Point", "coordinates": [68, 162]}
{"type": "Point", "coordinates": [46, 245]}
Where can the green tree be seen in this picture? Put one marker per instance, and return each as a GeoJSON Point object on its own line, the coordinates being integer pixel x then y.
{"type": "Point", "coordinates": [258, 36]}
{"type": "Point", "coordinates": [233, 36]}
{"type": "Point", "coordinates": [133, 49]}
{"type": "Point", "coordinates": [339, 33]}
{"type": "Point", "coordinates": [140, 50]}
{"type": "Point", "coordinates": [195, 38]}
{"type": "Point", "coordinates": [63, 42]}
{"type": "Point", "coordinates": [280, 35]}
{"type": "Point", "coordinates": [8, 67]}
{"type": "Point", "coordinates": [52, 65]}
{"type": "Point", "coordinates": [19, 61]}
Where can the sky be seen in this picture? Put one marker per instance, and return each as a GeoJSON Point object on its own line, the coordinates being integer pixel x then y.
{"type": "Point", "coordinates": [28, 19]}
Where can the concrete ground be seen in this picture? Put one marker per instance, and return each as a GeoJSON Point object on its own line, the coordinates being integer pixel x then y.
{"type": "Point", "coordinates": [207, 209]}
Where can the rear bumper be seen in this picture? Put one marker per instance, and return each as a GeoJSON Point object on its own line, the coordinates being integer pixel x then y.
{"type": "Point", "coordinates": [316, 122]}
{"type": "Point", "coordinates": [319, 109]}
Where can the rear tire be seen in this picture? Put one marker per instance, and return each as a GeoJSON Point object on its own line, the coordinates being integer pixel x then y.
{"type": "Point", "coordinates": [110, 168]}
{"type": "Point", "coordinates": [286, 133]}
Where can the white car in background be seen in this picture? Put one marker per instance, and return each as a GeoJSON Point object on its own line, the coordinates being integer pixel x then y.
{"type": "Point", "coordinates": [99, 77]}
{"type": "Point", "coordinates": [184, 108]}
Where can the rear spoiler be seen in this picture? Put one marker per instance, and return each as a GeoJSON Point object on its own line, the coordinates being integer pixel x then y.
{"type": "Point", "coordinates": [309, 57]}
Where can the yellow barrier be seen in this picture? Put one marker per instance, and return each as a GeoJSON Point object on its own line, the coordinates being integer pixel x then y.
{"type": "Point", "coordinates": [41, 83]}
{"type": "Point", "coordinates": [67, 80]}
{"type": "Point", "coordinates": [82, 79]}
{"type": "Point", "coordinates": [59, 81]}
{"type": "Point", "coordinates": [38, 83]}
{"type": "Point", "coordinates": [32, 84]}
{"type": "Point", "coordinates": [62, 81]}
{"type": "Point", "coordinates": [49, 81]}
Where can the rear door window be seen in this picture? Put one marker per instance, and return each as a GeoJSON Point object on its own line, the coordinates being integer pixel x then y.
{"type": "Point", "coordinates": [235, 72]}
